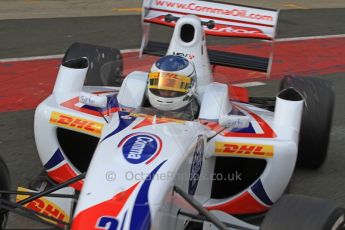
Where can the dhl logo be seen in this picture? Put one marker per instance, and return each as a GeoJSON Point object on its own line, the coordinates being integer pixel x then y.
{"type": "Point", "coordinates": [44, 206]}
{"type": "Point", "coordinates": [244, 149]}
{"type": "Point", "coordinates": [76, 123]}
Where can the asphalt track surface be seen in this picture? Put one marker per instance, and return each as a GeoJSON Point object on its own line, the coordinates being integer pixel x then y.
{"type": "Point", "coordinates": [36, 37]}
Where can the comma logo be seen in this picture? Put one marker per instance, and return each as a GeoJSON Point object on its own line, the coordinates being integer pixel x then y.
{"type": "Point", "coordinates": [140, 147]}
{"type": "Point", "coordinates": [136, 150]}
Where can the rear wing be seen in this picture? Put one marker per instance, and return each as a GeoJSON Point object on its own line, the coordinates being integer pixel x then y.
{"type": "Point", "coordinates": [218, 19]}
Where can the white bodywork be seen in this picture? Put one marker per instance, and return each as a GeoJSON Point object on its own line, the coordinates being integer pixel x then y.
{"type": "Point", "coordinates": [195, 50]}
{"type": "Point", "coordinates": [129, 96]}
{"type": "Point", "coordinates": [215, 102]}
{"type": "Point", "coordinates": [139, 159]}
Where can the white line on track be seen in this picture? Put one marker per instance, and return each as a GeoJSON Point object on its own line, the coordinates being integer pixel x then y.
{"type": "Point", "coordinates": [47, 57]}
{"type": "Point", "coordinates": [249, 84]}
{"type": "Point", "coordinates": [309, 38]}
{"type": "Point", "coordinates": [32, 58]}
{"type": "Point", "coordinates": [129, 51]}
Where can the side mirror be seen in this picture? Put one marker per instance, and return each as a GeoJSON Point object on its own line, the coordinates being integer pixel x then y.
{"type": "Point", "coordinates": [234, 121]}
{"type": "Point", "coordinates": [99, 101]}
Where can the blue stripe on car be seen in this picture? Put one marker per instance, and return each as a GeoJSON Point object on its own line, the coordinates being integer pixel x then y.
{"type": "Point", "coordinates": [123, 123]}
{"type": "Point", "coordinates": [124, 220]}
{"type": "Point", "coordinates": [141, 216]}
{"type": "Point", "coordinates": [56, 159]}
{"type": "Point", "coordinates": [259, 191]}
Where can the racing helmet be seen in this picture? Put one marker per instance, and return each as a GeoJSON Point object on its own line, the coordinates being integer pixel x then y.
{"type": "Point", "coordinates": [171, 83]}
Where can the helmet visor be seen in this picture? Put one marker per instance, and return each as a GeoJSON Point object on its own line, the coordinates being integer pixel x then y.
{"type": "Point", "coordinates": [168, 84]}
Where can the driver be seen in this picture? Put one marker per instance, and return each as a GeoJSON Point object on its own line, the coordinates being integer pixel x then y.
{"type": "Point", "coordinates": [172, 84]}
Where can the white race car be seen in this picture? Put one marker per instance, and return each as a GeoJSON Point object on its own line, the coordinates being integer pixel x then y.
{"type": "Point", "coordinates": [112, 161]}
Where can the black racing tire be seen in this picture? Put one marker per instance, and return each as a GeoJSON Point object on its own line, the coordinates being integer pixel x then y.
{"type": "Point", "coordinates": [298, 212]}
{"type": "Point", "coordinates": [5, 184]}
{"type": "Point", "coordinates": [317, 116]}
{"type": "Point", "coordinates": [105, 64]}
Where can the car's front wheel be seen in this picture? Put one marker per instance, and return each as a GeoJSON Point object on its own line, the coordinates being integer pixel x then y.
{"type": "Point", "coordinates": [298, 212]}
